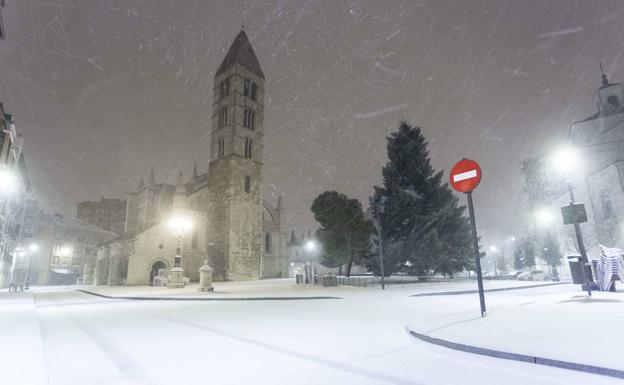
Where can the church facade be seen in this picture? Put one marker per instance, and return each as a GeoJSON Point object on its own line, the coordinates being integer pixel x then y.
{"type": "Point", "coordinates": [238, 232]}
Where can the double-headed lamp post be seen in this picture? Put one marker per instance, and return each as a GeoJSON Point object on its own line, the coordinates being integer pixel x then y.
{"type": "Point", "coordinates": [180, 225]}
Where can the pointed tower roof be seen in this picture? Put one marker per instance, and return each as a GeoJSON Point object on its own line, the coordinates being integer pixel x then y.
{"type": "Point", "coordinates": [195, 174]}
{"type": "Point", "coordinates": [152, 178]}
{"type": "Point", "coordinates": [241, 52]}
{"type": "Point", "coordinates": [179, 196]}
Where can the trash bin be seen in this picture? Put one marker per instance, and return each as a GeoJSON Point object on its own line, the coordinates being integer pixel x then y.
{"type": "Point", "coordinates": [576, 269]}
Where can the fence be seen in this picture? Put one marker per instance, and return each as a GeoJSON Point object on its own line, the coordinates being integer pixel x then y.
{"type": "Point", "coordinates": [395, 280]}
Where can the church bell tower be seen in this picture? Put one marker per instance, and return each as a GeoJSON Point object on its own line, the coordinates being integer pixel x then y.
{"type": "Point", "coordinates": [234, 232]}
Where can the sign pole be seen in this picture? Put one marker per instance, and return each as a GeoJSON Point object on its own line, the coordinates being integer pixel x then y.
{"type": "Point", "coordinates": [476, 250]}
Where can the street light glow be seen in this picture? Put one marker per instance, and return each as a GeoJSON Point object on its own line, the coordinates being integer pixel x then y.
{"type": "Point", "coordinates": [180, 224]}
{"type": "Point", "coordinates": [493, 249]}
{"type": "Point", "coordinates": [8, 181]}
{"type": "Point", "coordinates": [33, 247]}
{"type": "Point", "coordinates": [565, 159]}
{"type": "Point", "coordinates": [543, 216]}
{"type": "Point", "coordinates": [310, 246]}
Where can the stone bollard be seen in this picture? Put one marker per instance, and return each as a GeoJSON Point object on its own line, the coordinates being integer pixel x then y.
{"type": "Point", "coordinates": [205, 278]}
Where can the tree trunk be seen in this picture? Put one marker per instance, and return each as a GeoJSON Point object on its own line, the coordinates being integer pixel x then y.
{"type": "Point", "coordinates": [350, 263]}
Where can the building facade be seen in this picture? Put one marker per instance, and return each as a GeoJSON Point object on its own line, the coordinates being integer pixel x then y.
{"type": "Point", "coordinates": [109, 214]}
{"type": "Point", "coordinates": [67, 250]}
{"type": "Point", "coordinates": [597, 182]}
{"type": "Point", "coordinates": [238, 232]}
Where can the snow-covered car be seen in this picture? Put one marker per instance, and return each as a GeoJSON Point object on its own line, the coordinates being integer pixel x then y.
{"type": "Point", "coordinates": [536, 275]}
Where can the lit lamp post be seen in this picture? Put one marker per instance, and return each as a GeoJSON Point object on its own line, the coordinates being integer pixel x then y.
{"type": "Point", "coordinates": [566, 160]}
{"type": "Point", "coordinates": [32, 249]}
{"type": "Point", "coordinates": [180, 225]}
{"type": "Point", "coordinates": [493, 251]}
{"type": "Point", "coordinates": [310, 247]}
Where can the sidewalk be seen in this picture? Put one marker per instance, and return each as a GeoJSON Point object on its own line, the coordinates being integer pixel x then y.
{"type": "Point", "coordinates": [286, 288]}
{"type": "Point", "coordinates": [21, 356]}
{"type": "Point", "coordinates": [565, 326]}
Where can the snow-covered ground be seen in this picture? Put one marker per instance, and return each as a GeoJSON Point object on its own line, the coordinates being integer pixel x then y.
{"type": "Point", "coordinates": [287, 287]}
{"type": "Point", "coordinates": [60, 336]}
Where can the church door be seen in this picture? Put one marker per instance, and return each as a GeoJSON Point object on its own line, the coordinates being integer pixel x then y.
{"type": "Point", "coordinates": [154, 272]}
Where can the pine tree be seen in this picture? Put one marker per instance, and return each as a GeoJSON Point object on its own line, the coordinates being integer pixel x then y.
{"type": "Point", "coordinates": [345, 233]}
{"type": "Point", "coordinates": [551, 254]}
{"type": "Point", "coordinates": [518, 263]}
{"type": "Point", "coordinates": [424, 230]}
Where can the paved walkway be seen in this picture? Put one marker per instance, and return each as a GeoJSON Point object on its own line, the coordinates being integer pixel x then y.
{"type": "Point", "coordinates": [562, 325]}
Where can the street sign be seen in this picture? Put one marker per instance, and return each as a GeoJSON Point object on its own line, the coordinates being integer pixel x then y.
{"type": "Point", "coordinates": [465, 175]}
{"type": "Point", "coordinates": [574, 213]}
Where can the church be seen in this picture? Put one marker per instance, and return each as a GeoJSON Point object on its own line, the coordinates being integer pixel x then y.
{"type": "Point", "coordinates": [238, 232]}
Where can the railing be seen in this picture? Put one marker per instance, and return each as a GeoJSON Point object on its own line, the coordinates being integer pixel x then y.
{"type": "Point", "coordinates": [395, 280]}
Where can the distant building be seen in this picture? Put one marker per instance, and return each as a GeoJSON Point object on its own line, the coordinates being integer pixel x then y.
{"type": "Point", "coordinates": [109, 214]}
{"type": "Point", "coordinates": [67, 250]}
{"type": "Point", "coordinates": [234, 228]}
{"type": "Point", "coordinates": [15, 190]}
{"type": "Point", "coordinates": [2, 33]}
{"type": "Point", "coordinates": [598, 182]}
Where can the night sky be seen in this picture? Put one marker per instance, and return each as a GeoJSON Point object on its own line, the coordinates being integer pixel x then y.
{"type": "Point", "coordinates": [102, 90]}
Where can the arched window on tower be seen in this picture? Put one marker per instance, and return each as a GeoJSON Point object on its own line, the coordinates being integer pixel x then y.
{"type": "Point", "coordinates": [247, 184]}
{"type": "Point", "coordinates": [223, 117]}
{"type": "Point", "coordinates": [248, 148]}
{"type": "Point", "coordinates": [249, 119]}
{"type": "Point", "coordinates": [267, 243]}
{"type": "Point", "coordinates": [221, 147]}
{"type": "Point", "coordinates": [247, 88]}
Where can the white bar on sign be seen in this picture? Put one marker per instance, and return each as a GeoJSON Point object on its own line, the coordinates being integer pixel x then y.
{"type": "Point", "coordinates": [465, 175]}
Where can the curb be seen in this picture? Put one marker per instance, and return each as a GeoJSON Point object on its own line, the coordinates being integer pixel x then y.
{"type": "Point", "coordinates": [471, 291]}
{"type": "Point", "coordinates": [134, 298]}
{"type": "Point", "coordinates": [519, 357]}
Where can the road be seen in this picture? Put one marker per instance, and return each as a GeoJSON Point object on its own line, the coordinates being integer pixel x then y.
{"type": "Point", "coordinates": [60, 336]}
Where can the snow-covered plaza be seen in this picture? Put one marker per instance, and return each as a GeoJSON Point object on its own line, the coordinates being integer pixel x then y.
{"type": "Point", "coordinates": [64, 336]}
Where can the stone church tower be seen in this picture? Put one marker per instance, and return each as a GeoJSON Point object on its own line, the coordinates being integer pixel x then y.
{"type": "Point", "coordinates": [235, 168]}
{"type": "Point", "coordinates": [234, 228]}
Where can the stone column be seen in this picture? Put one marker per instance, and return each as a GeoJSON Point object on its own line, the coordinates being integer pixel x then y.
{"type": "Point", "coordinates": [205, 278]}
{"type": "Point", "coordinates": [114, 278]}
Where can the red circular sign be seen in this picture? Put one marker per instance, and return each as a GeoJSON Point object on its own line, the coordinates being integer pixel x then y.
{"type": "Point", "coordinates": [465, 175]}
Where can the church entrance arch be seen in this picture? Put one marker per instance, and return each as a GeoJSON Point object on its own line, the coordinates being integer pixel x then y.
{"type": "Point", "coordinates": [154, 270]}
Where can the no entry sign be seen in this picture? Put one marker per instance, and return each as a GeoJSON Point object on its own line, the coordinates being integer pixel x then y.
{"type": "Point", "coordinates": [465, 175]}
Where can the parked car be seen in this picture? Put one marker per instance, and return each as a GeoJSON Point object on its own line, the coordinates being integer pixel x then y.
{"type": "Point", "coordinates": [536, 275]}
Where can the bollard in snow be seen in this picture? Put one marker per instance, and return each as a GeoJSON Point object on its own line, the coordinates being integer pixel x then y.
{"type": "Point", "coordinates": [205, 278]}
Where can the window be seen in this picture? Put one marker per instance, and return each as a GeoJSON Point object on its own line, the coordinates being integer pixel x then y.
{"type": "Point", "coordinates": [607, 204]}
{"type": "Point", "coordinates": [247, 88]}
{"type": "Point", "coordinates": [221, 147]}
{"type": "Point", "coordinates": [247, 184]}
{"type": "Point", "coordinates": [254, 90]}
{"type": "Point", "coordinates": [224, 88]}
{"type": "Point", "coordinates": [194, 239]}
{"type": "Point", "coordinates": [249, 119]}
{"type": "Point", "coordinates": [223, 117]}
{"type": "Point", "coordinates": [267, 242]}
{"type": "Point", "coordinates": [248, 148]}
{"type": "Point", "coordinates": [250, 89]}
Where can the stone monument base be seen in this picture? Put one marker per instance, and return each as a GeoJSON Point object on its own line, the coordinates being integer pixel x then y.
{"type": "Point", "coordinates": [205, 289]}
{"type": "Point", "coordinates": [176, 278]}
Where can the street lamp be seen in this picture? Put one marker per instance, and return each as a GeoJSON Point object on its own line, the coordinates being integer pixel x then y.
{"type": "Point", "coordinates": [310, 247]}
{"type": "Point", "coordinates": [32, 249]}
{"type": "Point", "coordinates": [180, 225]}
{"type": "Point", "coordinates": [379, 206]}
{"type": "Point", "coordinates": [493, 251]}
{"type": "Point", "coordinates": [566, 159]}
